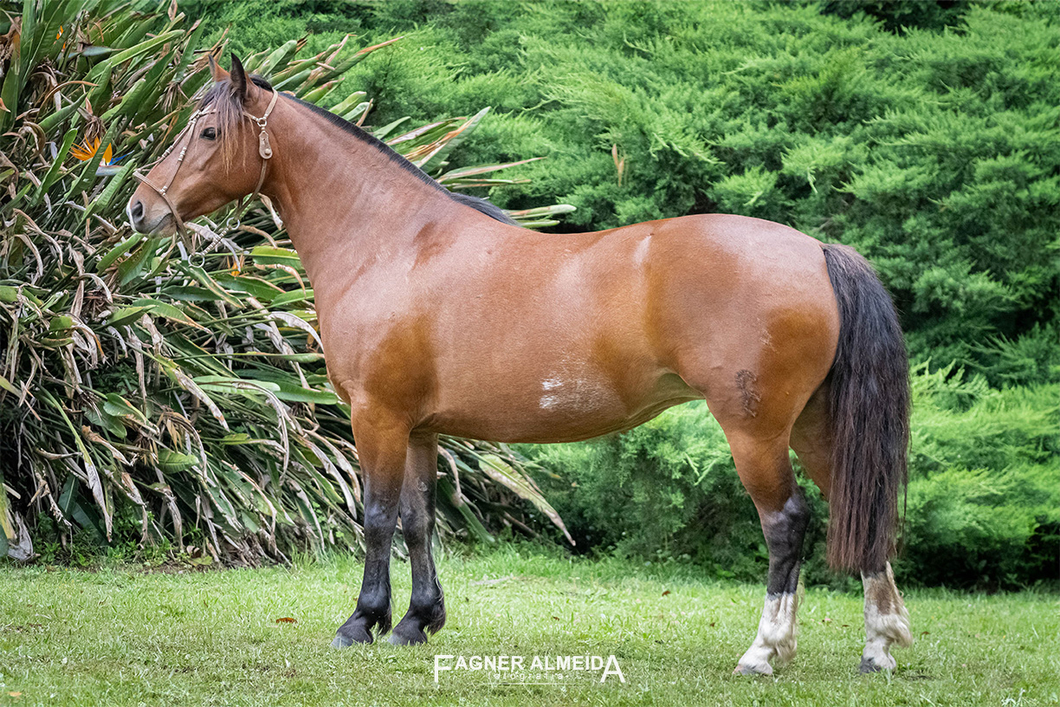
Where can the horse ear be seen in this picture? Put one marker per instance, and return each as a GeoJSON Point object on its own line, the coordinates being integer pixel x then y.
{"type": "Point", "coordinates": [216, 71]}
{"type": "Point", "coordinates": [239, 79]}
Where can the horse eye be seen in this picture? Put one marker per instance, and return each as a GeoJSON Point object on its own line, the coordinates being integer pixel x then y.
{"type": "Point", "coordinates": [208, 134]}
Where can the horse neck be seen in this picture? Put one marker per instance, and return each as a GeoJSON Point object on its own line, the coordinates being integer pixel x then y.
{"type": "Point", "coordinates": [345, 203]}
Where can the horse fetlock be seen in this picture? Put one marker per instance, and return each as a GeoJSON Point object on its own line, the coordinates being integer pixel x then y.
{"type": "Point", "coordinates": [437, 620]}
{"type": "Point", "coordinates": [418, 622]}
{"type": "Point", "coordinates": [889, 628]}
{"type": "Point", "coordinates": [359, 627]}
{"type": "Point", "coordinates": [776, 636]}
{"type": "Point", "coordinates": [883, 631]}
{"type": "Point", "coordinates": [777, 628]}
{"type": "Point", "coordinates": [786, 650]}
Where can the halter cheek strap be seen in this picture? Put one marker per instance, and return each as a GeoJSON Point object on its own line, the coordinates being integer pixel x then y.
{"type": "Point", "coordinates": [264, 146]}
{"type": "Point", "coordinates": [264, 150]}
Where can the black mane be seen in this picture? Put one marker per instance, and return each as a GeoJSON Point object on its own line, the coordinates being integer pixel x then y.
{"type": "Point", "coordinates": [478, 203]}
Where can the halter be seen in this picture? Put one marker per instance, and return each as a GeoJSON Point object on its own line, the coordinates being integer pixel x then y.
{"type": "Point", "coordinates": [264, 150]}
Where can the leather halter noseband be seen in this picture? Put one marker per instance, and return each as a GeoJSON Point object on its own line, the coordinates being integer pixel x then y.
{"type": "Point", "coordinates": [264, 150]}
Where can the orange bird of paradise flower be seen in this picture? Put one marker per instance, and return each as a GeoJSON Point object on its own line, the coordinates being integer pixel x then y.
{"type": "Point", "coordinates": [86, 151]}
{"type": "Point", "coordinates": [108, 165]}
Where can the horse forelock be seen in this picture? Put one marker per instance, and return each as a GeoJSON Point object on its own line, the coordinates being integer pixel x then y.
{"type": "Point", "coordinates": [223, 98]}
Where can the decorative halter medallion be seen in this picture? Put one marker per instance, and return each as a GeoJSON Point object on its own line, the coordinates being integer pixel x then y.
{"type": "Point", "coordinates": [264, 150]}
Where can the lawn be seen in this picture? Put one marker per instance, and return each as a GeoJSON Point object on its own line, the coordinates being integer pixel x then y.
{"type": "Point", "coordinates": [123, 636]}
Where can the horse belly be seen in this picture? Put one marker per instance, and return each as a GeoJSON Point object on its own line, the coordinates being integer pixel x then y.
{"type": "Point", "coordinates": [557, 406]}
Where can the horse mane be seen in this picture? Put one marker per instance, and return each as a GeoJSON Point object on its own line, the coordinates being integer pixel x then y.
{"type": "Point", "coordinates": [224, 99]}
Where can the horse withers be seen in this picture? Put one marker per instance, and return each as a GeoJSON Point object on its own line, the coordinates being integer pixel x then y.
{"type": "Point", "coordinates": [440, 316]}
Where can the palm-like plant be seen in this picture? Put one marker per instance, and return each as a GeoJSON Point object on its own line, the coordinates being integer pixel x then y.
{"type": "Point", "coordinates": [188, 387]}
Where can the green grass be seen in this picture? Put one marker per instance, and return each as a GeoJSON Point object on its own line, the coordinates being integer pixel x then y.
{"type": "Point", "coordinates": [119, 636]}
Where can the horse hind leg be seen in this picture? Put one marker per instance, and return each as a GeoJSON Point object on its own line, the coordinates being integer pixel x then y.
{"type": "Point", "coordinates": [886, 618]}
{"type": "Point", "coordinates": [886, 621]}
{"type": "Point", "coordinates": [765, 470]}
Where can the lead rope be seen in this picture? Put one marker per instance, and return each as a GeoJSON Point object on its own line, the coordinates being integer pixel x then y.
{"type": "Point", "coordinates": [264, 150]}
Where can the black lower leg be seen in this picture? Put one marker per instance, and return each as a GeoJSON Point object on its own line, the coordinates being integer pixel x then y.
{"type": "Point", "coordinates": [426, 612]}
{"type": "Point", "coordinates": [784, 532]}
{"type": "Point", "coordinates": [373, 603]}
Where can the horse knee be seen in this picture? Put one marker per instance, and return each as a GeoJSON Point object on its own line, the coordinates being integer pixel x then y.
{"type": "Point", "coordinates": [417, 525]}
{"type": "Point", "coordinates": [379, 521]}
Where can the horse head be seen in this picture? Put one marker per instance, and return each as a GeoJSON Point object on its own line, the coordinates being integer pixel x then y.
{"type": "Point", "coordinates": [220, 156]}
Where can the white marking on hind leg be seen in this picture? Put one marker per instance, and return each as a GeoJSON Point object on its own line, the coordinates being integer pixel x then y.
{"type": "Point", "coordinates": [886, 621]}
{"type": "Point", "coordinates": [776, 635]}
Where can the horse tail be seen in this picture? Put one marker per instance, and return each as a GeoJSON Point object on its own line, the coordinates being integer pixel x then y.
{"type": "Point", "coordinates": [869, 416]}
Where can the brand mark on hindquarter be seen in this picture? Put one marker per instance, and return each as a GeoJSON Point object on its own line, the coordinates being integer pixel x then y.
{"type": "Point", "coordinates": [746, 381]}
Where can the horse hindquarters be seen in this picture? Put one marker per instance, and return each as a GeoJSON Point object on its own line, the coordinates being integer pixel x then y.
{"type": "Point", "coordinates": [775, 352]}
{"type": "Point", "coordinates": [850, 431]}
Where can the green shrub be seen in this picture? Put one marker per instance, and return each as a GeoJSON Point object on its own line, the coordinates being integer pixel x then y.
{"type": "Point", "coordinates": [1030, 359]}
{"type": "Point", "coordinates": [984, 494]}
{"type": "Point", "coordinates": [960, 423]}
{"type": "Point", "coordinates": [983, 528]}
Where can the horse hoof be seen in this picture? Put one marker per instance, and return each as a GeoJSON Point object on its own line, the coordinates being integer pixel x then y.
{"type": "Point", "coordinates": [765, 669]}
{"type": "Point", "coordinates": [403, 636]}
{"type": "Point", "coordinates": [345, 639]}
{"type": "Point", "coordinates": [868, 665]}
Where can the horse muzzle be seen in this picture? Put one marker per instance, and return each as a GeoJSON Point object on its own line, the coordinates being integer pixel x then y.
{"type": "Point", "coordinates": [149, 218]}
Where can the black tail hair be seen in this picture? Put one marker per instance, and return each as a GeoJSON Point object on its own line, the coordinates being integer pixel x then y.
{"type": "Point", "coordinates": [869, 416]}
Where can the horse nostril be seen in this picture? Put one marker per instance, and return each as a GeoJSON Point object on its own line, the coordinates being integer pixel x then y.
{"type": "Point", "coordinates": [137, 211]}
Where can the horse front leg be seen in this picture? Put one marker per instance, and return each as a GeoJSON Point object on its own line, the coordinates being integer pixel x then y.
{"type": "Point", "coordinates": [426, 612]}
{"type": "Point", "coordinates": [382, 450]}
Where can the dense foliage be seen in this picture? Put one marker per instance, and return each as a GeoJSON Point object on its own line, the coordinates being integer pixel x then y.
{"type": "Point", "coordinates": [145, 393]}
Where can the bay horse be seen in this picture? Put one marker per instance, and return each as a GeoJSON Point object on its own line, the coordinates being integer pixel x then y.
{"type": "Point", "coordinates": [438, 315]}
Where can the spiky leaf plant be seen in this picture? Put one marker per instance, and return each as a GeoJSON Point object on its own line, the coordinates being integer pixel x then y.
{"type": "Point", "coordinates": [188, 387]}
